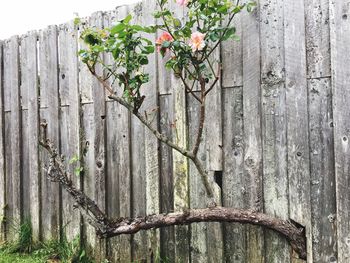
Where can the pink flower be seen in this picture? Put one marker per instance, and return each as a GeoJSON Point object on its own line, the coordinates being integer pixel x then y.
{"type": "Point", "coordinates": [197, 42]}
{"type": "Point", "coordinates": [163, 38]}
{"type": "Point", "coordinates": [182, 2]}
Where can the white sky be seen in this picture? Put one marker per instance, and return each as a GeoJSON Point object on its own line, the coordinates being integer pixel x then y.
{"type": "Point", "coordinates": [20, 16]}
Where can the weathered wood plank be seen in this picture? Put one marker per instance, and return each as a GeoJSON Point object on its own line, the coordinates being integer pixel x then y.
{"type": "Point", "coordinates": [140, 247]}
{"type": "Point", "coordinates": [2, 152]}
{"type": "Point", "coordinates": [69, 122]}
{"type": "Point", "coordinates": [118, 159]}
{"type": "Point", "coordinates": [323, 195]}
{"type": "Point", "coordinates": [94, 128]}
{"type": "Point", "coordinates": [297, 117]}
{"type": "Point", "coordinates": [317, 38]}
{"type": "Point", "coordinates": [12, 136]}
{"type": "Point", "coordinates": [199, 249]}
{"type": "Point", "coordinates": [166, 119]}
{"type": "Point", "coordinates": [49, 112]}
{"type": "Point", "coordinates": [340, 43]}
{"type": "Point", "coordinates": [151, 107]}
{"type": "Point", "coordinates": [233, 177]}
{"type": "Point", "coordinates": [180, 169]}
{"type": "Point", "coordinates": [274, 126]}
{"type": "Point", "coordinates": [118, 177]}
{"type": "Point", "coordinates": [30, 131]}
{"type": "Point", "coordinates": [232, 58]}
{"type": "Point", "coordinates": [252, 130]}
{"type": "Point", "coordinates": [180, 163]}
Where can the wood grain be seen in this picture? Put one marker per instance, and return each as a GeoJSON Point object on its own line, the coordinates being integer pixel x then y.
{"type": "Point", "coordinates": [340, 43]}
{"type": "Point", "coordinates": [30, 131]}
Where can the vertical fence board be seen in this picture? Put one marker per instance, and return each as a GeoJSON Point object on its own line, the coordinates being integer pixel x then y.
{"type": "Point", "coordinates": [199, 250]}
{"type": "Point", "coordinates": [150, 90]}
{"type": "Point", "coordinates": [252, 130]}
{"type": "Point", "coordinates": [232, 57]}
{"type": "Point", "coordinates": [340, 43]}
{"type": "Point", "coordinates": [274, 132]}
{"type": "Point", "coordinates": [140, 250]}
{"type": "Point", "coordinates": [12, 136]}
{"type": "Point", "coordinates": [297, 117]}
{"type": "Point", "coordinates": [180, 169]}
{"type": "Point", "coordinates": [49, 112]}
{"type": "Point", "coordinates": [180, 163]}
{"type": "Point", "coordinates": [118, 159]}
{"type": "Point", "coordinates": [167, 237]}
{"type": "Point", "coordinates": [69, 122]}
{"type": "Point", "coordinates": [233, 177]}
{"type": "Point", "coordinates": [2, 152]}
{"type": "Point", "coordinates": [317, 38]}
{"type": "Point", "coordinates": [30, 104]}
{"type": "Point", "coordinates": [94, 128]}
{"type": "Point", "coordinates": [322, 170]}
{"type": "Point", "coordinates": [118, 180]}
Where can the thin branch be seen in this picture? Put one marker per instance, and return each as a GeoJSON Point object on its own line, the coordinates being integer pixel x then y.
{"type": "Point", "coordinates": [217, 77]}
{"type": "Point", "coordinates": [161, 137]}
{"type": "Point", "coordinates": [223, 34]}
{"type": "Point", "coordinates": [188, 89]}
{"type": "Point", "coordinates": [201, 120]}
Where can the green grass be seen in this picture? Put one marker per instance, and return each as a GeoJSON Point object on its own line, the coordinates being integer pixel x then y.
{"type": "Point", "coordinates": [25, 250]}
{"type": "Point", "coordinates": [6, 257]}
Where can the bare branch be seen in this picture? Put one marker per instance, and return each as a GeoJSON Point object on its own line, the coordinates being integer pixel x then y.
{"type": "Point", "coordinates": [294, 235]}
{"type": "Point", "coordinates": [107, 228]}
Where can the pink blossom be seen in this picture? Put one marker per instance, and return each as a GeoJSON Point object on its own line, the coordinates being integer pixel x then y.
{"type": "Point", "coordinates": [197, 42]}
{"type": "Point", "coordinates": [164, 37]}
{"type": "Point", "coordinates": [182, 2]}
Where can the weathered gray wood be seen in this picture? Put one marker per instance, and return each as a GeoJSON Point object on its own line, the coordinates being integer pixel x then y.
{"type": "Point", "coordinates": [140, 250]}
{"type": "Point", "coordinates": [12, 136]}
{"type": "Point", "coordinates": [69, 122]}
{"type": "Point", "coordinates": [30, 131]}
{"type": "Point", "coordinates": [297, 117]}
{"type": "Point", "coordinates": [118, 158]}
{"type": "Point", "coordinates": [94, 128]}
{"type": "Point", "coordinates": [2, 152]}
{"type": "Point", "coordinates": [167, 235]}
{"type": "Point", "coordinates": [118, 179]}
{"type": "Point", "coordinates": [323, 196]}
{"type": "Point", "coordinates": [252, 130]}
{"type": "Point", "coordinates": [180, 163]}
{"type": "Point", "coordinates": [232, 58]}
{"type": "Point", "coordinates": [199, 249]}
{"type": "Point", "coordinates": [49, 112]}
{"type": "Point", "coordinates": [150, 90]}
{"type": "Point", "coordinates": [233, 177]}
{"type": "Point", "coordinates": [340, 43]}
{"type": "Point", "coordinates": [317, 38]}
{"type": "Point", "coordinates": [274, 126]}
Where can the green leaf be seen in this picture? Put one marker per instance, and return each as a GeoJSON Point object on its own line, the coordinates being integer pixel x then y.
{"type": "Point", "coordinates": [138, 28]}
{"type": "Point", "coordinates": [78, 170]}
{"type": "Point", "coordinates": [117, 29]}
{"type": "Point", "coordinates": [166, 44]}
{"type": "Point", "coordinates": [77, 21]}
{"type": "Point", "coordinates": [229, 33]}
{"type": "Point", "coordinates": [127, 19]}
{"type": "Point", "coordinates": [143, 60]}
{"type": "Point", "coordinates": [74, 159]}
{"type": "Point", "coordinates": [177, 23]}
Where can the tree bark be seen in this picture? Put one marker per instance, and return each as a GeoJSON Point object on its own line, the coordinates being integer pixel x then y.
{"type": "Point", "coordinates": [106, 228]}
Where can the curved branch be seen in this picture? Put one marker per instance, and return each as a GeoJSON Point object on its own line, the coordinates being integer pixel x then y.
{"type": "Point", "coordinates": [292, 233]}
{"type": "Point", "coordinates": [107, 228]}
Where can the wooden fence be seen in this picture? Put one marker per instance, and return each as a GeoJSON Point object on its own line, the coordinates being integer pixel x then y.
{"type": "Point", "coordinates": [276, 138]}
